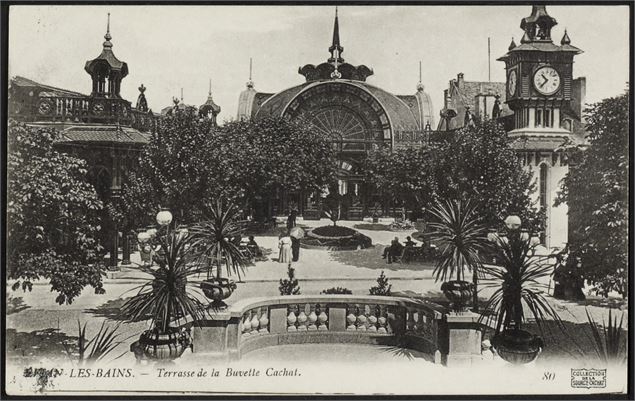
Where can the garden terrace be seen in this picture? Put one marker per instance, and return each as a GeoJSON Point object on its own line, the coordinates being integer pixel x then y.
{"type": "Point", "coordinates": [256, 323]}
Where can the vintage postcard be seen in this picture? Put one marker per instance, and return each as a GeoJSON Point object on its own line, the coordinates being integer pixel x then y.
{"type": "Point", "coordinates": [317, 200]}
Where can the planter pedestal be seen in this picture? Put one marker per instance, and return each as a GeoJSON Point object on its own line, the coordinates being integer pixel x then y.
{"type": "Point", "coordinates": [464, 339]}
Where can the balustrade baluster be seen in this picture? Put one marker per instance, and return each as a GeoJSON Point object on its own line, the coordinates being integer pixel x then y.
{"type": "Point", "coordinates": [410, 322]}
{"type": "Point", "coordinates": [351, 317]}
{"type": "Point", "coordinates": [362, 319]}
{"type": "Point", "coordinates": [381, 320]}
{"type": "Point", "coordinates": [246, 324]}
{"type": "Point", "coordinates": [303, 318]}
{"type": "Point", "coordinates": [255, 322]}
{"type": "Point", "coordinates": [313, 317]}
{"type": "Point", "coordinates": [322, 317]}
{"type": "Point", "coordinates": [291, 319]}
{"type": "Point", "coordinates": [264, 320]}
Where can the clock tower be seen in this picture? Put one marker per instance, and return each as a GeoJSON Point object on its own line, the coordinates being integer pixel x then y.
{"type": "Point", "coordinates": [547, 104]}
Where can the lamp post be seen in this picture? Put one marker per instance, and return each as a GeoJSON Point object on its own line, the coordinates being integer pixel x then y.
{"type": "Point", "coordinates": [146, 239]}
{"type": "Point", "coordinates": [512, 232]}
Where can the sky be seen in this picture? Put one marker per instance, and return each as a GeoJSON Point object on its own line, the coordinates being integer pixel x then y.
{"type": "Point", "coordinates": [172, 47]}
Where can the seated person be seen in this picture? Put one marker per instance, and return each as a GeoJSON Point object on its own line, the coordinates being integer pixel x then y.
{"type": "Point", "coordinates": [393, 250]}
{"type": "Point", "coordinates": [410, 242]}
{"type": "Point", "coordinates": [253, 247]}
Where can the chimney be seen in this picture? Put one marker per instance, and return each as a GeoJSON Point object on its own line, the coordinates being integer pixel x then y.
{"type": "Point", "coordinates": [459, 79]}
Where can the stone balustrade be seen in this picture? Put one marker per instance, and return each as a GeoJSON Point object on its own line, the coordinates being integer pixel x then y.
{"type": "Point", "coordinates": [255, 323]}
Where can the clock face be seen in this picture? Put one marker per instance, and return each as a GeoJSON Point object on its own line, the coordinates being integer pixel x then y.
{"type": "Point", "coordinates": [511, 83]}
{"type": "Point", "coordinates": [547, 80]}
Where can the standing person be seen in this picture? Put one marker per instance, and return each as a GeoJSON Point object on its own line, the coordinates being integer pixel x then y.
{"type": "Point", "coordinates": [285, 249]}
{"type": "Point", "coordinates": [295, 248]}
{"type": "Point", "coordinates": [291, 220]}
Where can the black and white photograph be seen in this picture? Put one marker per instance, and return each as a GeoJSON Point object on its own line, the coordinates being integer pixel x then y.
{"type": "Point", "coordinates": [317, 199]}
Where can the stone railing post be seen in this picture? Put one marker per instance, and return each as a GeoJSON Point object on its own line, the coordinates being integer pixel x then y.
{"type": "Point", "coordinates": [214, 335]}
{"type": "Point", "coordinates": [464, 338]}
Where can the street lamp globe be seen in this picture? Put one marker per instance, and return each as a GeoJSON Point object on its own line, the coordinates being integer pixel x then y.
{"type": "Point", "coordinates": [164, 217]}
{"type": "Point", "coordinates": [513, 222]}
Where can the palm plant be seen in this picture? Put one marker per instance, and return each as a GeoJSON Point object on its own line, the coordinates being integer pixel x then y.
{"type": "Point", "coordinates": [213, 240]}
{"type": "Point", "coordinates": [518, 295]}
{"type": "Point", "coordinates": [461, 240]}
{"type": "Point", "coordinates": [168, 296]}
{"type": "Point", "coordinates": [607, 339]}
{"type": "Point", "coordinates": [96, 348]}
{"type": "Point", "coordinates": [517, 277]}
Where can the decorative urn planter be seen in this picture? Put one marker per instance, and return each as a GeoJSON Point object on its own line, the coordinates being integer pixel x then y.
{"type": "Point", "coordinates": [517, 346]}
{"type": "Point", "coordinates": [153, 344]}
{"type": "Point", "coordinates": [458, 292]}
{"type": "Point", "coordinates": [218, 289]}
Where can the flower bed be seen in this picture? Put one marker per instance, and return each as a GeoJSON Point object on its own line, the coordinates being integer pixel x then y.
{"type": "Point", "coordinates": [335, 238]}
{"type": "Point", "coordinates": [333, 232]}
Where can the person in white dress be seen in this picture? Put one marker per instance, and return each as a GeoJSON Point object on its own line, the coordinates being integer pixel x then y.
{"type": "Point", "coordinates": [285, 249]}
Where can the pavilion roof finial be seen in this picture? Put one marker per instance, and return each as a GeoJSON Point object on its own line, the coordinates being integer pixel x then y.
{"type": "Point", "coordinates": [336, 49]}
{"type": "Point", "coordinates": [107, 43]}
{"type": "Point", "coordinates": [420, 84]}
{"type": "Point", "coordinates": [250, 83]}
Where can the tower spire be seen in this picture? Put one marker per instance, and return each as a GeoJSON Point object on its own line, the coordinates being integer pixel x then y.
{"type": "Point", "coordinates": [538, 25]}
{"type": "Point", "coordinates": [336, 49]}
{"type": "Point", "coordinates": [210, 87]}
{"type": "Point", "coordinates": [420, 84]}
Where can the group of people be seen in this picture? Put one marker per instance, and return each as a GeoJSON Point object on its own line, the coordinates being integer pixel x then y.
{"type": "Point", "coordinates": [396, 248]}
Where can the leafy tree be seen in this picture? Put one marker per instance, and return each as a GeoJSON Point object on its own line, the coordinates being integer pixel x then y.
{"type": "Point", "coordinates": [407, 175]}
{"type": "Point", "coordinates": [477, 162]}
{"type": "Point", "coordinates": [596, 191]}
{"type": "Point", "coordinates": [190, 162]}
{"type": "Point", "coordinates": [271, 154]}
{"type": "Point", "coordinates": [175, 170]}
{"type": "Point", "coordinates": [52, 216]}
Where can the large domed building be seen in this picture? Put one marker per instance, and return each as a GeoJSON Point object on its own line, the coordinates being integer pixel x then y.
{"type": "Point", "coordinates": [357, 116]}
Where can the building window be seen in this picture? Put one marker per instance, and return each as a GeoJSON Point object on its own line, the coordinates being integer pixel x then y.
{"type": "Point", "coordinates": [538, 118]}
{"type": "Point", "coordinates": [342, 187]}
{"type": "Point", "coordinates": [548, 118]}
{"type": "Point", "coordinates": [566, 124]}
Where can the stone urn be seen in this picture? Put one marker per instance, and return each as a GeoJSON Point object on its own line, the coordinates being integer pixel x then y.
{"type": "Point", "coordinates": [517, 346]}
{"type": "Point", "coordinates": [154, 344]}
{"type": "Point", "coordinates": [218, 289]}
{"type": "Point", "coordinates": [458, 292]}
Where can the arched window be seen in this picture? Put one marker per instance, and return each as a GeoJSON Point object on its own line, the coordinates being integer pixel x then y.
{"type": "Point", "coordinates": [566, 124]}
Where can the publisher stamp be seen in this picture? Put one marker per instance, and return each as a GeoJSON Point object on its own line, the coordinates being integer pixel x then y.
{"type": "Point", "coordinates": [588, 378]}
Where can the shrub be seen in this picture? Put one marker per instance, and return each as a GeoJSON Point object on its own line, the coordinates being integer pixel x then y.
{"type": "Point", "coordinates": [289, 286]}
{"type": "Point", "coordinates": [608, 340]}
{"type": "Point", "coordinates": [382, 287]}
{"type": "Point", "coordinates": [337, 290]}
